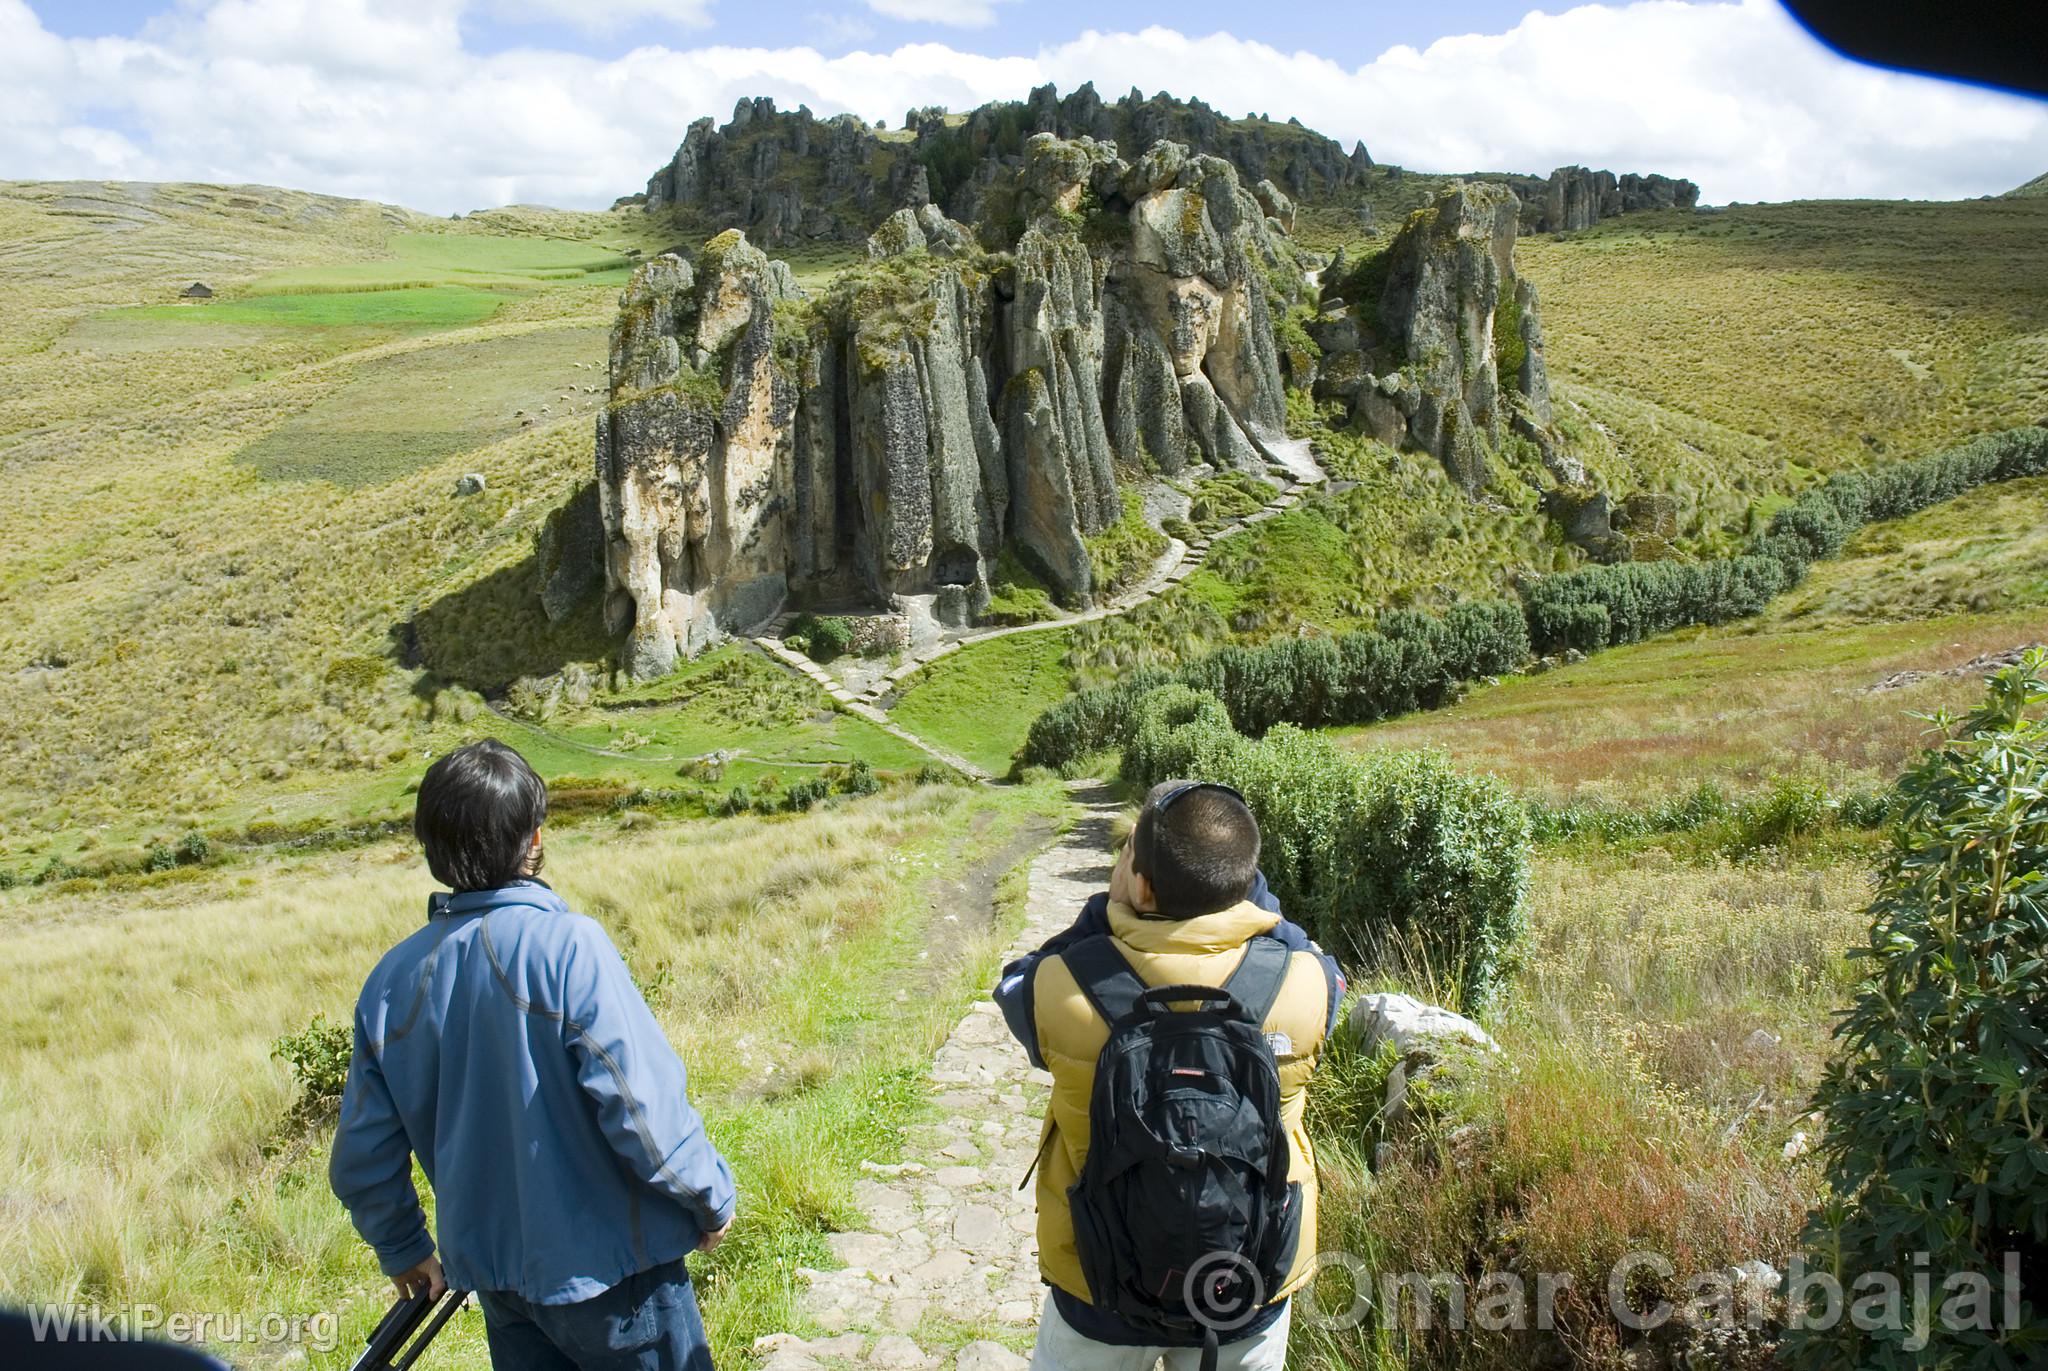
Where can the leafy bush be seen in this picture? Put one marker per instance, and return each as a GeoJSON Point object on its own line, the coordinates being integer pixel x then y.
{"type": "Point", "coordinates": [820, 637]}
{"type": "Point", "coordinates": [860, 778]}
{"type": "Point", "coordinates": [1934, 1118]}
{"type": "Point", "coordinates": [738, 800]}
{"type": "Point", "coordinates": [1411, 660]}
{"type": "Point", "coordinates": [806, 794]}
{"type": "Point", "coordinates": [1393, 860]}
{"type": "Point", "coordinates": [318, 1056]}
{"type": "Point", "coordinates": [1644, 598]}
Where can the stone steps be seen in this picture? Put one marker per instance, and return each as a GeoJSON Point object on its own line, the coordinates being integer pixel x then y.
{"type": "Point", "coordinates": [1180, 561]}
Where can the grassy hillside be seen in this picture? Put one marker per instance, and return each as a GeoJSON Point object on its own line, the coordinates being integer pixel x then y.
{"type": "Point", "coordinates": [1728, 358]}
{"type": "Point", "coordinates": [1724, 356]}
{"type": "Point", "coordinates": [226, 519]}
{"type": "Point", "coordinates": [1807, 688]}
{"type": "Point", "coordinates": [229, 521]}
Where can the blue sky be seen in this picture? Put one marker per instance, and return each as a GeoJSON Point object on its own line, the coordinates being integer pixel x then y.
{"type": "Point", "coordinates": [448, 105]}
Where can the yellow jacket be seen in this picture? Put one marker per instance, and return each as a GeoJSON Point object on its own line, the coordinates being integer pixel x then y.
{"type": "Point", "coordinates": [1071, 1035]}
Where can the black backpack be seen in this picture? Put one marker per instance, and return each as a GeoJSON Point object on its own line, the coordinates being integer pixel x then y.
{"type": "Point", "coordinates": [1183, 1214]}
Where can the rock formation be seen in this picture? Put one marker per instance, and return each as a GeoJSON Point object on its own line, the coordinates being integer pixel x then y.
{"type": "Point", "coordinates": [1436, 342]}
{"type": "Point", "coordinates": [785, 176]}
{"type": "Point", "coordinates": [1575, 198]}
{"type": "Point", "coordinates": [883, 445]}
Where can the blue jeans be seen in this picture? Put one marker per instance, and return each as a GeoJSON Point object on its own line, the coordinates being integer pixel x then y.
{"type": "Point", "coordinates": [647, 1322]}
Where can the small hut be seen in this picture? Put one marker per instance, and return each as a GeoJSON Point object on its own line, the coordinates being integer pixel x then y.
{"type": "Point", "coordinates": [198, 290]}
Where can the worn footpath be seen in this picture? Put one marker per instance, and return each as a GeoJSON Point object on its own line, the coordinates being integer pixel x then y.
{"type": "Point", "coordinates": [945, 1273]}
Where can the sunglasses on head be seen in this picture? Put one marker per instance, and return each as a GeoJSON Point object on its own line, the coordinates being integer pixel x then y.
{"type": "Point", "coordinates": [1181, 792]}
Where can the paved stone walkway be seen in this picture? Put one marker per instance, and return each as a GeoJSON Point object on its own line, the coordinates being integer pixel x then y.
{"type": "Point", "coordinates": [945, 1275]}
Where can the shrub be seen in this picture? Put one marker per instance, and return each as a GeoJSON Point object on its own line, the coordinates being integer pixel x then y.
{"type": "Point", "coordinates": [820, 637]}
{"type": "Point", "coordinates": [806, 794]}
{"type": "Point", "coordinates": [1409, 661]}
{"type": "Point", "coordinates": [1932, 1103]}
{"type": "Point", "coordinates": [1393, 860]}
{"type": "Point", "coordinates": [319, 1057]}
{"type": "Point", "coordinates": [1792, 808]}
{"type": "Point", "coordinates": [193, 849]}
{"type": "Point", "coordinates": [860, 778]}
{"type": "Point", "coordinates": [738, 800]}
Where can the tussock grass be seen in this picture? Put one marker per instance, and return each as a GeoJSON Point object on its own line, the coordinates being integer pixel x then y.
{"type": "Point", "coordinates": [143, 1124]}
{"type": "Point", "coordinates": [1668, 1027]}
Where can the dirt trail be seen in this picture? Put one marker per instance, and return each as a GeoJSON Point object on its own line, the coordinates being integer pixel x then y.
{"type": "Point", "coordinates": [946, 1273]}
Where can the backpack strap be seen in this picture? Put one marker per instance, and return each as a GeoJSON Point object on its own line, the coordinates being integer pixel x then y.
{"type": "Point", "coordinates": [1257, 982]}
{"type": "Point", "coordinates": [1108, 981]}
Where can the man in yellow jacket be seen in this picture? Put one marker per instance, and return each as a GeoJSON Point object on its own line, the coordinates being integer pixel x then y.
{"type": "Point", "coordinates": [1178, 913]}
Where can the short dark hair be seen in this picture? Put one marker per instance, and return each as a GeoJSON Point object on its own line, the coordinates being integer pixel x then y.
{"type": "Point", "coordinates": [477, 812]}
{"type": "Point", "coordinates": [1198, 845]}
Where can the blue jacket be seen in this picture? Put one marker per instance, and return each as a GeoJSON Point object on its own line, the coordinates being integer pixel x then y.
{"type": "Point", "coordinates": [505, 1045]}
{"type": "Point", "coordinates": [1013, 988]}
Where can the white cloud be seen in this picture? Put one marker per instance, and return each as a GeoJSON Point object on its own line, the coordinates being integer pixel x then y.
{"type": "Point", "coordinates": [379, 98]}
{"type": "Point", "coordinates": [606, 17]}
{"type": "Point", "coordinates": [958, 14]}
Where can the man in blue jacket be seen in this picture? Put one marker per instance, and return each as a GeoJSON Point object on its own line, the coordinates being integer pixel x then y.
{"type": "Point", "coordinates": [505, 1045]}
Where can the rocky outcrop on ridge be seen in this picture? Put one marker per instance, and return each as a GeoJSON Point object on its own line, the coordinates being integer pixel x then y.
{"type": "Point", "coordinates": [885, 444]}
{"type": "Point", "coordinates": [787, 176]}
{"type": "Point", "coordinates": [1436, 343]}
{"type": "Point", "coordinates": [1575, 198]}
{"type": "Point", "coordinates": [784, 176]}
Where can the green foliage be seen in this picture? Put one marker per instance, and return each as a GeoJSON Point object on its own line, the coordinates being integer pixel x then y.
{"type": "Point", "coordinates": [1643, 598]}
{"type": "Point", "coordinates": [356, 673]}
{"type": "Point", "coordinates": [1395, 860]}
{"type": "Point", "coordinates": [1411, 660]}
{"type": "Point", "coordinates": [1017, 594]}
{"type": "Point", "coordinates": [1231, 495]}
{"type": "Point", "coordinates": [1126, 550]}
{"type": "Point", "coordinates": [860, 779]}
{"type": "Point", "coordinates": [319, 1057]}
{"type": "Point", "coordinates": [1509, 348]}
{"type": "Point", "coordinates": [820, 637]}
{"type": "Point", "coordinates": [1937, 1131]}
{"type": "Point", "coordinates": [191, 850]}
{"type": "Point", "coordinates": [806, 794]}
{"type": "Point", "coordinates": [1362, 284]}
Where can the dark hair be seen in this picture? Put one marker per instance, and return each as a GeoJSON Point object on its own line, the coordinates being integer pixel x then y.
{"type": "Point", "coordinates": [1198, 845]}
{"type": "Point", "coordinates": [477, 812]}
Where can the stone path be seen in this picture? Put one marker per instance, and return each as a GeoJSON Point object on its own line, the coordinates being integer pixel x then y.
{"type": "Point", "coordinates": [1176, 564]}
{"type": "Point", "coordinates": [945, 1275]}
